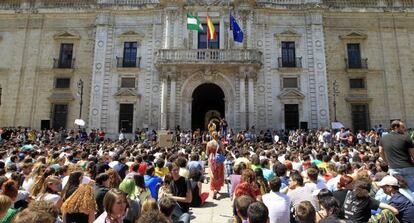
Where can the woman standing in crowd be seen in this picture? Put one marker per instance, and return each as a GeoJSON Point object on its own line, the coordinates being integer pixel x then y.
{"type": "Point", "coordinates": [216, 168]}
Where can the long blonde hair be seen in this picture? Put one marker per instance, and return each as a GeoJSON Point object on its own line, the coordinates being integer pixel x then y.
{"type": "Point", "coordinates": [5, 203]}
{"type": "Point", "coordinates": [48, 181]}
{"type": "Point", "coordinates": [81, 201]}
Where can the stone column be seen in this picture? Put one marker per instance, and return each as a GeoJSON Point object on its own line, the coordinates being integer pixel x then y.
{"type": "Point", "coordinates": [168, 28]}
{"type": "Point", "coordinates": [172, 102]}
{"type": "Point", "coordinates": [250, 84]}
{"type": "Point", "coordinates": [242, 98]}
{"type": "Point", "coordinates": [98, 72]}
{"type": "Point", "coordinates": [164, 88]}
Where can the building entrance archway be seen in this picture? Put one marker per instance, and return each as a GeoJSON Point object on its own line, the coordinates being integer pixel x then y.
{"type": "Point", "coordinates": [207, 104]}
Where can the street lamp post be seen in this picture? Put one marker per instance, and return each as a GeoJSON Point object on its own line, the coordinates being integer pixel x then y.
{"type": "Point", "coordinates": [335, 93]}
{"type": "Point", "coordinates": [80, 92]}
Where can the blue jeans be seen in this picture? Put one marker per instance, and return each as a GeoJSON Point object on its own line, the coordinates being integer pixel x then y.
{"type": "Point", "coordinates": [179, 216]}
{"type": "Point", "coordinates": [408, 175]}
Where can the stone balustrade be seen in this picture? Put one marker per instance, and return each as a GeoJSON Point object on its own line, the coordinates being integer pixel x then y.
{"type": "Point", "coordinates": [27, 4]}
{"type": "Point", "coordinates": [370, 3]}
{"type": "Point", "coordinates": [281, 2]}
{"type": "Point", "coordinates": [208, 56]}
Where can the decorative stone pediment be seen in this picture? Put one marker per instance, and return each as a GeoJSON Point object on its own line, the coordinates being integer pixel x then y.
{"type": "Point", "coordinates": [358, 98]}
{"type": "Point", "coordinates": [289, 33]}
{"type": "Point", "coordinates": [66, 35]}
{"type": "Point", "coordinates": [126, 92]}
{"type": "Point", "coordinates": [132, 35]}
{"type": "Point", "coordinates": [354, 35]}
{"type": "Point", "coordinates": [290, 94]}
{"type": "Point", "coordinates": [61, 97]}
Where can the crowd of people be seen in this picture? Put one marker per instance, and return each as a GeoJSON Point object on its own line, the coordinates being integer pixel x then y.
{"type": "Point", "coordinates": [301, 176]}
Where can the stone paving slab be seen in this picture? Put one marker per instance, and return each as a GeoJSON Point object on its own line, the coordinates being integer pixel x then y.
{"type": "Point", "coordinates": [214, 211]}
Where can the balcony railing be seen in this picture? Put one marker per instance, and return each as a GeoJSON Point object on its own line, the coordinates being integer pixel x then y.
{"type": "Point", "coordinates": [63, 64]}
{"type": "Point", "coordinates": [128, 63]}
{"type": "Point", "coordinates": [359, 64]}
{"type": "Point", "coordinates": [208, 56]}
{"type": "Point", "coordinates": [283, 63]}
{"type": "Point", "coordinates": [281, 2]}
{"type": "Point", "coordinates": [128, 2]}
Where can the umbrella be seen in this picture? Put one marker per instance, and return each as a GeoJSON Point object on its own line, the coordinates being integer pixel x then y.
{"type": "Point", "coordinates": [79, 122]}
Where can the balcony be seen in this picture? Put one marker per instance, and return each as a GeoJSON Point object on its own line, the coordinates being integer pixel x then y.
{"type": "Point", "coordinates": [289, 65]}
{"type": "Point", "coordinates": [208, 57]}
{"type": "Point", "coordinates": [128, 63]}
{"type": "Point", "coordinates": [280, 2]}
{"type": "Point", "coordinates": [63, 64]}
{"type": "Point", "coordinates": [361, 64]}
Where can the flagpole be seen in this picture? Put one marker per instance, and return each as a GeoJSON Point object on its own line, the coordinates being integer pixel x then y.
{"type": "Point", "coordinates": [207, 29]}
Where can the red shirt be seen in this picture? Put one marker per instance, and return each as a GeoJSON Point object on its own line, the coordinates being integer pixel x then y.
{"type": "Point", "coordinates": [142, 168]}
{"type": "Point", "coordinates": [247, 189]}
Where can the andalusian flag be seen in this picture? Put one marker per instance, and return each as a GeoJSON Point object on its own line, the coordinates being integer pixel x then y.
{"type": "Point", "coordinates": [211, 32]}
{"type": "Point", "coordinates": [193, 23]}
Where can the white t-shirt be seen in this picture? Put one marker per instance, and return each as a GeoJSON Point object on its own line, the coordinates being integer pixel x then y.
{"type": "Point", "coordinates": [85, 180]}
{"type": "Point", "coordinates": [54, 198]}
{"type": "Point", "coordinates": [278, 205]}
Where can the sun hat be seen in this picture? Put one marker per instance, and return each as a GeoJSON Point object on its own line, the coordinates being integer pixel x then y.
{"type": "Point", "coordinates": [388, 181]}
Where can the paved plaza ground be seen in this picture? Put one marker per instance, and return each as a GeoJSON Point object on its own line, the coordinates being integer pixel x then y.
{"type": "Point", "coordinates": [214, 211]}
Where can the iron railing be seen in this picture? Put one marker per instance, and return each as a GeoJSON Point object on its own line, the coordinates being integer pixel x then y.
{"type": "Point", "coordinates": [356, 64]}
{"type": "Point", "coordinates": [128, 62]}
{"type": "Point", "coordinates": [63, 64]}
{"type": "Point", "coordinates": [207, 56]}
{"type": "Point", "coordinates": [286, 63]}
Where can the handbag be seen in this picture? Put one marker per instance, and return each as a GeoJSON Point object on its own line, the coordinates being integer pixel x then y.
{"type": "Point", "coordinates": [219, 158]}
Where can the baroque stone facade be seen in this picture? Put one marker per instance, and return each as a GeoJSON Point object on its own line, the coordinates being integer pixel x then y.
{"type": "Point", "coordinates": [281, 76]}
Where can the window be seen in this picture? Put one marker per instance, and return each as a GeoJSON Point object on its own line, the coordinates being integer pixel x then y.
{"type": "Point", "coordinates": [356, 83]}
{"type": "Point", "coordinates": [360, 116]}
{"type": "Point", "coordinates": [66, 55]}
{"type": "Point", "coordinates": [126, 117]}
{"type": "Point", "coordinates": [128, 82]}
{"type": "Point", "coordinates": [202, 38]}
{"type": "Point", "coordinates": [62, 83]}
{"type": "Point", "coordinates": [130, 54]}
{"type": "Point", "coordinates": [290, 82]}
{"type": "Point", "coordinates": [288, 54]}
{"type": "Point", "coordinates": [354, 55]}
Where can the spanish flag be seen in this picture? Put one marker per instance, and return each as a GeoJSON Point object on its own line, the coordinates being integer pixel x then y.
{"type": "Point", "coordinates": [211, 32]}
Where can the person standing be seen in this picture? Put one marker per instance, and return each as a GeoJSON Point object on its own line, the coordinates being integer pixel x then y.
{"type": "Point", "coordinates": [397, 149]}
{"type": "Point", "coordinates": [216, 169]}
{"type": "Point", "coordinates": [211, 127]}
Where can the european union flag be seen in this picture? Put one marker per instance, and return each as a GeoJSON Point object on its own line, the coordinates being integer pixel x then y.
{"type": "Point", "coordinates": [237, 32]}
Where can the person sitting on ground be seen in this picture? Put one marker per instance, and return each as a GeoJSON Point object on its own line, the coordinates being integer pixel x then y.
{"type": "Point", "coordinates": [160, 169]}
{"type": "Point", "coordinates": [9, 189]}
{"type": "Point", "coordinates": [115, 204]}
{"type": "Point", "coordinates": [5, 203]}
{"type": "Point", "coordinates": [101, 188]}
{"type": "Point", "coordinates": [330, 210]}
{"type": "Point", "coordinates": [405, 207]}
{"type": "Point", "coordinates": [258, 213]}
{"type": "Point", "coordinates": [152, 182]}
{"type": "Point", "coordinates": [298, 193]}
{"type": "Point", "coordinates": [33, 216]}
{"type": "Point", "coordinates": [167, 206]}
{"type": "Point", "coordinates": [305, 212]}
{"type": "Point", "coordinates": [358, 204]}
{"type": "Point", "coordinates": [277, 203]}
{"type": "Point", "coordinates": [196, 187]}
{"type": "Point", "coordinates": [241, 206]}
